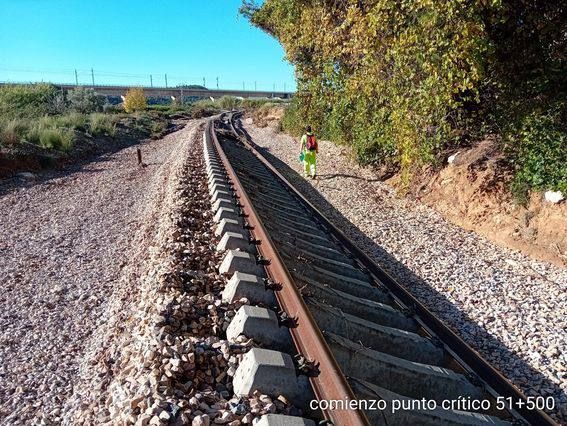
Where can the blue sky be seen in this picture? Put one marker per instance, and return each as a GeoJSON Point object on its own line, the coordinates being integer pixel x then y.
{"type": "Point", "coordinates": [127, 40]}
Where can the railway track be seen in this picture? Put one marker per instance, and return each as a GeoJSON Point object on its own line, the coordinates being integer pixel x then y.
{"type": "Point", "coordinates": [356, 334]}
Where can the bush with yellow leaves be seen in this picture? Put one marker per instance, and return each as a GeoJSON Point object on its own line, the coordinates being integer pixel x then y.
{"type": "Point", "coordinates": [135, 100]}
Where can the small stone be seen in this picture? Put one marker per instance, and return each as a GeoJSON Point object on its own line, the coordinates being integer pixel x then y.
{"type": "Point", "coordinates": [164, 415]}
{"type": "Point", "coordinates": [135, 401]}
{"type": "Point", "coordinates": [452, 158]}
{"type": "Point", "coordinates": [202, 420]}
{"type": "Point", "coordinates": [554, 196]}
{"type": "Point", "coordinates": [225, 417]}
{"type": "Point", "coordinates": [143, 420]}
{"type": "Point", "coordinates": [27, 176]}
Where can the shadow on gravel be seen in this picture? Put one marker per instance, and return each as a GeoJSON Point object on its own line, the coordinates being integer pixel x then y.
{"type": "Point", "coordinates": [97, 152]}
{"type": "Point", "coordinates": [493, 349]}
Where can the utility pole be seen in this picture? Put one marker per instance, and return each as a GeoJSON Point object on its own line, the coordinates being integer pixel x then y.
{"type": "Point", "coordinates": [204, 82]}
{"type": "Point", "coordinates": [76, 78]}
{"type": "Point", "coordinates": [255, 86]}
{"type": "Point", "coordinates": [92, 76]}
{"type": "Point", "coordinates": [166, 81]}
{"type": "Point", "coordinates": [217, 83]}
{"type": "Point", "coordinates": [151, 81]}
{"type": "Point", "coordinates": [284, 87]}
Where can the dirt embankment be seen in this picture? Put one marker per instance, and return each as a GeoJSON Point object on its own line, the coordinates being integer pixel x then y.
{"type": "Point", "coordinates": [471, 192]}
{"type": "Point", "coordinates": [267, 116]}
{"type": "Point", "coordinates": [26, 157]}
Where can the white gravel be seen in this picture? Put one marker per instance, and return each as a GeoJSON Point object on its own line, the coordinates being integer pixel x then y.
{"type": "Point", "coordinates": [509, 307]}
{"type": "Point", "coordinates": [66, 251]}
{"type": "Point", "coordinates": [163, 359]}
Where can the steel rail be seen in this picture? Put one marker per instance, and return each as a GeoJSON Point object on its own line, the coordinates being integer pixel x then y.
{"type": "Point", "coordinates": [329, 384]}
{"type": "Point", "coordinates": [468, 357]}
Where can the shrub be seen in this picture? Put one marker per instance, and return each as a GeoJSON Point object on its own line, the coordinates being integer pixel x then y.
{"type": "Point", "coordinates": [161, 108]}
{"type": "Point", "coordinates": [11, 131]}
{"type": "Point", "coordinates": [292, 121]}
{"type": "Point", "coordinates": [33, 134]}
{"type": "Point", "coordinates": [55, 132]}
{"type": "Point", "coordinates": [257, 103]}
{"type": "Point", "coordinates": [109, 108]}
{"type": "Point", "coordinates": [229, 102]}
{"type": "Point", "coordinates": [102, 124]}
{"type": "Point", "coordinates": [158, 127]}
{"type": "Point", "coordinates": [394, 80]}
{"type": "Point", "coordinates": [85, 100]}
{"type": "Point", "coordinates": [59, 104]}
{"type": "Point", "coordinates": [541, 158]}
{"type": "Point", "coordinates": [56, 139]}
{"type": "Point", "coordinates": [72, 121]}
{"type": "Point", "coordinates": [135, 100]}
{"type": "Point", "coordinates": [204, 108]}
{"type": "Point", "coordinates": [31, 100]}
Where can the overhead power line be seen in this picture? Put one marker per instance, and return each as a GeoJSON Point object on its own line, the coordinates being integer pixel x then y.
{"type": "Point", "coordinates": [93, 76]}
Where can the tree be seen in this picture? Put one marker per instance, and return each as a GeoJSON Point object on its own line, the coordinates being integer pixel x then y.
{"type": "Point", "coordinates": [402, 81]}
{"type": "Point", "coordinates": [135, 100]}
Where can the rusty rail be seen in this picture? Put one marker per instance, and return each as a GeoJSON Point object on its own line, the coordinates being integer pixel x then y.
{"type": "Point", "coordinates": [456, 346]}
{"type": "Point", "coordinates": [330, 384]}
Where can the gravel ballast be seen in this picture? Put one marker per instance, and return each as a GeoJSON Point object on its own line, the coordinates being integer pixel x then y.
{"type": "Point", "coordinates": [168, 361]}
{"type": "Point", "coordinates": [66, 254]}
{"type": "Point", "coordinates": [512, 309]}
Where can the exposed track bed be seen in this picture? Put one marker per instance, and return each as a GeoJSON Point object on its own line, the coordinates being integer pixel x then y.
{"type": "Point", "coordinates": [382, 344]}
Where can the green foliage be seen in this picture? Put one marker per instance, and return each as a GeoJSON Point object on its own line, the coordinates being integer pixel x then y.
{"type": "Point", "coordinates": [158, 127]}
{"type": "Point", "coordinates": [108, 108]}
{"type": "Point", "coordinates": [205, 108]}
{"type": "Point", "coordinates": [59, 139]}
{"type": "Point", "coordinates": [12, 131]}
{"type": "Point", "coordinates": [258, 102]}
{"type": "Point", "coordinates": [292, 122]}
{"type": "Point", "coordinates": [72, 121]}
{"type": "Point", "coordinates": [395, 80]}
{"type": "Point", "coordinates": [32, 100]}
{"type": "Point", "coordinates": [160, 108]}
{"type": "Point", "coordinates": [85, 100]}
{"type": "Point", "coordinates": [541, 157]}
{"type": "Point", "coordinates": [56, 131]}
{"type": "Point", "coordinates": [102, 124]}
{"type": "Point", "coordinates": [59, 104]}
{"type": "Point", "coordinates": [229, 102]}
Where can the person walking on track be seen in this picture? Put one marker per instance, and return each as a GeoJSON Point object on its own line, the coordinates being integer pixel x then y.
{"type": "Point", "coordinates": [308, 152]}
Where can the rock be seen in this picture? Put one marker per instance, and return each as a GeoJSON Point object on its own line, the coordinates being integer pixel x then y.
{"type": "Point", "coordinates": [202, 420]}
{"type": "Point", "coordinates": [452, 158]}
{"type": "Point", "coordinates": [224, 418]}
{"type": "Point", "coordinates": [27, 176]}
{"type": "Point", "coordinates": [155, 421]}
{"type": "Point", "coordinates": [143, 420]}
{"type": "Point", "coordinates": [554, 197]}
{"type": "Point", "coordinates": [135, 401]}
